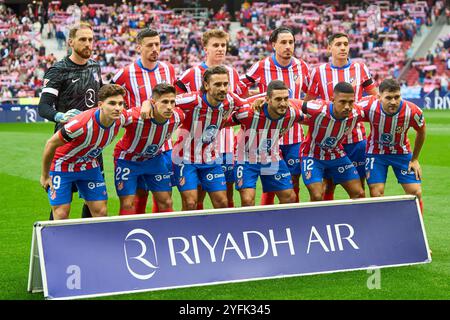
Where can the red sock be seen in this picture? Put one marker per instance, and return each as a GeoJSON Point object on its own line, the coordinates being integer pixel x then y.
{"type": "Point", "coordinates": [230, 204]}
{"type": "Point", "coordinates": [140, 203]}
{"type": "Point", "coordinates": [421, 206]}
{"type": "Point", "coordinates": [267, 198]}
{"type": "Point", "coordinates": [125, 212]}
{"type": "Point", "coordinates": [155, 208]}
{"type": "Point", "coordinates": [297, 194]}
{"type": "Point", "coordinates": [199, 206]}
{"type": "Point", "coordinates": [166, 210]}
{"type": "Point", "coordinates": [328, 196]}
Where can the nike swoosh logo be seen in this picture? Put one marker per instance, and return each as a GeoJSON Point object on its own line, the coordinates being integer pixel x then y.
{"type": "Point", "coordinates": [75, 80]}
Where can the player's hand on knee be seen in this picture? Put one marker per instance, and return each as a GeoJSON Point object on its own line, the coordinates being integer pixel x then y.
{"type": "Point", "coordinates": [414, 165]}
{"type": "Point", "coordinates": [46, 183]}
{"type": "Point", "coordinates": [146, 110]}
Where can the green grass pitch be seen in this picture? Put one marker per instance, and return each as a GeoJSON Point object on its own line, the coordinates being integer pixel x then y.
{"type": "Point", "coordinates": [22, 202]}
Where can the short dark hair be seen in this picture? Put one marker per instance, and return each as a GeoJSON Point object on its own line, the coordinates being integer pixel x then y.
{"type": "Point", "coordinates": [211, 71]}
{"type": "Point", "coordinates": [276, 85]}
{"type": "Point", "coordinates": [343, 87]}
{"type": "Point", "coordinates": [146, 33]}
{"type": "Point", "coordinates": [335, 36]}
{"type": "Point", "coordinates": [390, 85]}
{"type": "Point", "coordinates": [161, 89]}
{"type": "Point", "coordinates": [110, 90]}
{"type": "Point", "coordinates": [274, 35]}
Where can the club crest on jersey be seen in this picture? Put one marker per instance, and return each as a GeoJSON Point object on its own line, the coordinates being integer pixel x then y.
{"type": "Point", "coordinates": [53, 194]}
{"type": "Point", "coordinates": [240, 182]}
{"type": "Point", "coordinates": [308, 175]}
{"type": "Point", "coordinates": [120, 185]}
{"type": "Point", "coordinates": [210, 133]}
{"type": "Point", "coordinates": [182, 181]}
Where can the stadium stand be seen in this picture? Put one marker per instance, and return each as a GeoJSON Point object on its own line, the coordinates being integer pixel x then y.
{"type": "Point", "coordinates": [381, 34]}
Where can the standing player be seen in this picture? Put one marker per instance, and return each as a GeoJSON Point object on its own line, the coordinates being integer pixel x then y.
{"type": "Point", "coordinates": [138, 153]}
{"type": "Point", "coordinates": [195, 155]}
{"type": "Point", "coordinates": [282, 65]}
{"type": "Point", "coordinates": [390, 118]}
{"type": "Point", "coordinates": [72, 84]}
{"type": "Point", "coordinates": [257, 145]}
{"type": "Point", "coordinates": [322, 150]}
{"type": "Point", "coordinates": [70, 155]}
{"type": "Point", "coordinates": [139, 79]}
{"type": "Point", "coordinates": [215, 46]}
{"type": "Point", "coordinates": [323, 80]}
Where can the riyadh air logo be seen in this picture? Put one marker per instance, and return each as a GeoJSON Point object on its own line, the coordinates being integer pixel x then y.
{"type": "Point", "coordinates": [140, 254]}
{"type": "Point", "coordinates": [152, 150]}
{"type": "Point", "coordinates": [386, 138]}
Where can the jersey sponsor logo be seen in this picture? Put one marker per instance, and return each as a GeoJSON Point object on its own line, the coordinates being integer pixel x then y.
{"type": "Point", "coordinates": [151, 150]}
{"type": "Point", "coordinates": [94, 153]}
{"type": "Point", "coordinates": [330, 142]}
{"type": "Point", "coordinates": [210, 133]}
{"type": "Point", "coordinates": [89, 98]}
{"type": "Point", "coordinates": [386, 139]}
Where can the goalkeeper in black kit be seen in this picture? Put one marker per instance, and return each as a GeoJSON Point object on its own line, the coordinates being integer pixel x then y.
{"type": "Point", "coordinates": [71, 85]}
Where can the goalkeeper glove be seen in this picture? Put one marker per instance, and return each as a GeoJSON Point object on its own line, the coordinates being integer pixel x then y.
{"type": "Point", "coordinates": [65, 117]}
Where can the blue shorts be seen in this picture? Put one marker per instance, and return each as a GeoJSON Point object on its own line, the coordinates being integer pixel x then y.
{"type": "Point", "coordinates": [377, 167]}
{"type": "Point", "coordinates": [210, 176]}
{"type": "Point", "coordinates": [340, 170]}
{"type": "Point", "coordinates": [274, 176]}
{"type": "Point", "coordinates": [291, 155]}
{"type": "Point", "coordinates": [227, 166]}
{"type": "Point", "coordinates": [167, 155]}
{"type": "Point", "coordinates": [356, 152]}
{"type": "Point", "coordinates": [90, 183]}
{"type": "Point", "coordinates": [153, 172]}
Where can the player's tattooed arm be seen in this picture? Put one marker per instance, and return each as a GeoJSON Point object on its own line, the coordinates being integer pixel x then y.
{"type": "Point", "coordinates": [147, 110]}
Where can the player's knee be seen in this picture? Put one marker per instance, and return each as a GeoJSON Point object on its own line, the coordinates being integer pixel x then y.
{"type": "Point", "coordinates": [221, 203]}
{"type": "Point", "coordinates": [359, 193]}
{"type": "Point", "coordinates": [376, 193]}
{"type": "Point", "coordinates": [165, 204]}
{"type": "Point", "coordinates": [60, 214]}
{"type": "Point", "coordinates": [316, 195]}
{"type": "Point", "coordinates": [416, 192]}
{"type": "Point", "coordinates": [99, 211]}
{"type": "Point", "coordinates": [247, 200]}
{"type": "Point", "coordinates": [190, 204]}
{"type": "Point", "coordinates": [127, 205]}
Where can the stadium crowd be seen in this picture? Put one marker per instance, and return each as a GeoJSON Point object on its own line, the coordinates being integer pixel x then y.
{"type": "Point", "coordinates": [381, 36]}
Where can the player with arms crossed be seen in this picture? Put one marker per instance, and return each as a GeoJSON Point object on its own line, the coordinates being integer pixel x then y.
{"type": "Point", "coordinates": [138, 154]}
{"type": "Point", "coordinates": [70, 155]}
{"type": "Point", "coordinates": [322, 151]}
{"type": "Point", "coordinates": [139, 79]}
{"type": "Point", "coordinates": [258, 153]}
{"type": "Point", "coordinates": [215, 46]}
{"type": "Point", "coordinates": [72, 84]}
{"type": "Point", "coordinates": [282, 65]}
{"type": "Point", "coordinates": [390, 118]}
{"type": "Point", "coordinates": [323, 80]}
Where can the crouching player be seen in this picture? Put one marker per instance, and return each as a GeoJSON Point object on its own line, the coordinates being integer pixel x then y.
{"type": "Point", "coordinates": [390, 118]}
{"type": "Point", "coordinates": [322, 151]}
{"type": "Point", "coordinates": [258, 153]}
{"type": "Point", "coordinates": [70, 155]}
{"type": "Point", "coordinates": [138, 154]}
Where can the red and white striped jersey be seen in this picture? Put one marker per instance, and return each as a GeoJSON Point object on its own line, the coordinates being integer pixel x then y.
{"type": "Point", "coordinates": [143, 139]}
{"type": "Point", "coordinates": [191, 81]}
{"type": "Point", "coordinates": [139, 81]}
{"type": "Point", "coordinates": [326, 76]}
{"type": "Point", "coordinates": [295, 76]}
{"type": "Point", "coordinates": [325, 132]}
{"type": "Point", "coordinates": [259, 136]}
{"type": "Point", "coordinates": [85, 139]}
{"type": "Point", "coordinates": [389, 133]}
{"type": "Point", "coordinates": [197, 136]}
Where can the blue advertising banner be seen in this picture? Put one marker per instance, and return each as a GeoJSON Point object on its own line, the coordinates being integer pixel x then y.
{"type": "Point", "coordinates": [19, 113]}
{"type": "Point", "coordinates": [92, 257]}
